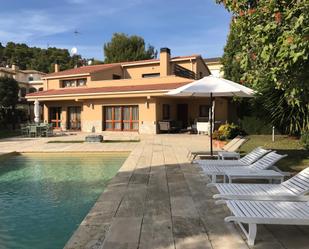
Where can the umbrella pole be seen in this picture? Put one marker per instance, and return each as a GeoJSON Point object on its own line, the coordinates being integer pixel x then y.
{"type": "Point", "coordinates": [211, 149]}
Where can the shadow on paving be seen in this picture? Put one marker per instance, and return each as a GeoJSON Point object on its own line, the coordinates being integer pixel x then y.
{"type": "Point", "coordinates": [169, 206]}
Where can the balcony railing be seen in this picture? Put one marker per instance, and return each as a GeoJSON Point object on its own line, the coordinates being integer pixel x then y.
{"type": "Point", "coordinates": [183, 72]}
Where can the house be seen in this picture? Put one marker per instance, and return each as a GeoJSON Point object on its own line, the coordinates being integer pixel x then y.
{"type": "Point", "coordinates": [215, 66]}
{"type": "Point", "coordinates": [28, 80]}
{"type": "Point", "coordinates": [126, 96]}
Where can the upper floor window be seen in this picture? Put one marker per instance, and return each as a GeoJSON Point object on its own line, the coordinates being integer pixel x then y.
{"type": "Point", "coordinates": [150, 75]}
{"type": "Point", "coordinates": [30, 78]}
{"type": "Point", "coordinates": [74, 83]}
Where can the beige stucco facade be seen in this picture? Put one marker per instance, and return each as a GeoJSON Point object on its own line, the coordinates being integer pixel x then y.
{"type": "Point", "coordinates": [112, 85]}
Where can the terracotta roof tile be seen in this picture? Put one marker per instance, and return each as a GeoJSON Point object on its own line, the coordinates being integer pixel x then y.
{"type": "Point", "coordinates": [111, 89]}
{"type": "Point", "coordinates": [94, 68]}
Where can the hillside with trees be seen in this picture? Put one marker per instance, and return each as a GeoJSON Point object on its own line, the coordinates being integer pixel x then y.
{"type": "Point", "coordinates": [37, 58]}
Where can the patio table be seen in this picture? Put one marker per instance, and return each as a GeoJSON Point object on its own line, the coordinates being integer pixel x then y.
{"type": "Point", "coordinates": [253, 174]}
{"type": "Point", "coordinates": [222, 155]}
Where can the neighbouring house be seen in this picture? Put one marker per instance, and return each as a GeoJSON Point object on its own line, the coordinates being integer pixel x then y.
{"type": "Point", "coordinates": [29, 81]}
{"type": "Point", "coordinates": [215, 66]}
{"type": "Point", "coordinates": [126, 96]}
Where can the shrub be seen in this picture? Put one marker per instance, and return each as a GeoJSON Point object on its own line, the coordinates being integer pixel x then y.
{"type": "Point", "coordinates": [255, 126]}
{"type": "Point", "coordinates": [305, 139]}
{"type": "Point", "coordinates": [229, 131]}
{"type": "Point", "coordinates": [218, 135]}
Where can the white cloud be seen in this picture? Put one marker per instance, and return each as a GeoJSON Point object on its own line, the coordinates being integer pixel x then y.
{"type": "Point", "coordinates": [26, 25]}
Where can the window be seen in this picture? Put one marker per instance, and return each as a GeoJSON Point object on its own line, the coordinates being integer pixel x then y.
{"type": "Point", "coordinates": [116, 77]}
{"type": "Point", "coordinates": [30, 78]}
{"type": "Point", "coordinates": [204, 111]}
{"type": "Point", "coordinates": [150, 75]}
{"type": "Point", "coordinates": [74, 83]}
{"type": "Point", "coordinates": [121, 118]}
{"type": "Point", "coordinates": [166, 111]}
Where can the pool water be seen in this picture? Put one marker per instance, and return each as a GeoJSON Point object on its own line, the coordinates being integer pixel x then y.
{"type": "Point", "coordinates": [44, 197]}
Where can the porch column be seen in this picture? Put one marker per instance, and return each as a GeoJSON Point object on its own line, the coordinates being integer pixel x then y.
{"type": "Point", "coordinates": [64, 120]}
{"type": "Point", "coordinates": [36, 111]}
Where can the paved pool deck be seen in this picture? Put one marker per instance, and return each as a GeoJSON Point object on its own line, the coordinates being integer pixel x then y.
{"type": "Point", "coordinates": [158, 200]}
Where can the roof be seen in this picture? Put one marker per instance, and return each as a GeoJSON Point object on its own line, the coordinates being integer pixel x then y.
{"type": "Point", "coordinates": [212, 60]}
{"type": "Point", "coordinates": [106, 90]}
{"type": "Point", "coordinates": [84, 70]}
{"type": "Point", "coordinates": [100, 67]}
{"type": "Point", "coordinates": [7, 70]}
{"type": "Point", "coordinates": [32, 71]}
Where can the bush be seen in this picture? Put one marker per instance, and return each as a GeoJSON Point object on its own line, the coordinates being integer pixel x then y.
{"type": "Point", "coordinates": [229, 131]}
{"type": "Point", "coordinates": [217, 135]}
{"type": "Point", "coordinates": [305, 139]}
{"type": "Point", "coordinates": [255, 126]}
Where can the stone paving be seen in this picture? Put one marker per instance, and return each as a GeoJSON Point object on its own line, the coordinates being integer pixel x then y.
{"type": "Point", "coordinates": [158, 200]}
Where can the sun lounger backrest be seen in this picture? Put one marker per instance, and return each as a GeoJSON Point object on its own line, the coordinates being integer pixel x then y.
{"type": "Point", "coordinates": [267, 161]}
{"type": "Point", "coordinates": [231, 143]}
{"type": "Point", "coordinates": [299, 184]}
{"type": "Point", "coordinates": [253, 155]}
{"type": "Point", "coordinates": [237, 145]}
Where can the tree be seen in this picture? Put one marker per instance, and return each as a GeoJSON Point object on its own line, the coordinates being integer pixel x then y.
{"type": "Point", "coordinates": [8, 99]}
{"type": "Point", "coordinates": [127, 48]}
{"type": "Point", "coordinates": [268, 49]}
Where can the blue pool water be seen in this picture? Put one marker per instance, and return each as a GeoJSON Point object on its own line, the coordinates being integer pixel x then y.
{"type": "Point", "coordinates": [44, 197]}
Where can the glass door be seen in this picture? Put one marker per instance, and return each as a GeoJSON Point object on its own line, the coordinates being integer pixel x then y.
{"type": "Point", "coordinates": [55, 117]}
{"type": "Point", "coordinates": [74, 117]}
{"type": "Point", "coordinates": [121, 118]}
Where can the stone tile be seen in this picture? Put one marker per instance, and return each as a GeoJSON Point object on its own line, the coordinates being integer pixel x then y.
{"type": "Point", "coordinates": [156, 233]}
{"type": "Point", "coordinates": [124, 230]}
{"type": "Point", "coordinates": [183, 206]}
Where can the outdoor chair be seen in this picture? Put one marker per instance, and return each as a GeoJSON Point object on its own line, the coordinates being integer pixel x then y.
{"type": "Point", "coordinates": [248, 159]}
{"type": "Point", "coordinates": [293, 189]}
{"type": "Point", "coordinates": [33, 131]}
{"type": "Point", "coordinates": [24, 130]}
{"type": "Point", "coordinates": [253, 213]}
{"type": "Point", "coordinates": [169, 126]}
{"type": "Point", "coordinates": [233, 145]}
{"type": "Point", "coordinates": [246, 172]}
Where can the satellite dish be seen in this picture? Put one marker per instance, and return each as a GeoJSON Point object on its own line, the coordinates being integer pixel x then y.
{"type": "Point", "coordinates": [89, 62]}
{"type": "Point", "coordinates": [74, 51]}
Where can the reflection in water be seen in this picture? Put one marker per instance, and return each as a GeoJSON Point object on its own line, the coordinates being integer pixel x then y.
{"type": "Point", "coordinates": [44, 197]}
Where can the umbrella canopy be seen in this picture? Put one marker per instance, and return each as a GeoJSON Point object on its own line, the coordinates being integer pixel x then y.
{"type": "Point", "coordinates": [218, 87]}
{"type": "Point", "coordinates": [211, 86]}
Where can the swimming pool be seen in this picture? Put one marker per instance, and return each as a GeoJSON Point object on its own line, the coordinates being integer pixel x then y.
{"type": "Point", "coordinates": [44, 197]}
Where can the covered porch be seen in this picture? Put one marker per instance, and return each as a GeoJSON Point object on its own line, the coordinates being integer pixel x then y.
{"type": "Point", "coordinates": [192, 113]}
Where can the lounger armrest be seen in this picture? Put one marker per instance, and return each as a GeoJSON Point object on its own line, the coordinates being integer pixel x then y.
{"type": "Point", "coordinates": [220, 202]}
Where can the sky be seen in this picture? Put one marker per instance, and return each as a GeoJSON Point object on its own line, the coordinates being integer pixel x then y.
{"type": "Point", "coordinates": [185, 26]}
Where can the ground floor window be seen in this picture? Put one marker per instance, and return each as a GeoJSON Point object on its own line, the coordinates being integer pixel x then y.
{"type": "Point", "coordinates": [121, 118]}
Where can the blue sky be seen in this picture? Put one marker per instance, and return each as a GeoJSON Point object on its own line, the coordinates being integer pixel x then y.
{"type": "Point", "coordinates": [185, 26]}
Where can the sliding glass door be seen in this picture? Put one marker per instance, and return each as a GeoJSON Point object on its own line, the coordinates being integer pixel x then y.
{"type": "Point", "coordinates": [121, 118]}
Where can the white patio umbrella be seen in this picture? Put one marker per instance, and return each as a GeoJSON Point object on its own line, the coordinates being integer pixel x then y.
{"type": "Point", "coordinates": [211, 86]}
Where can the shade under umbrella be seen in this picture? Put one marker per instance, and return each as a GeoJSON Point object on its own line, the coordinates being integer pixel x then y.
{"type": "Point", "coordinates": [211, 86]}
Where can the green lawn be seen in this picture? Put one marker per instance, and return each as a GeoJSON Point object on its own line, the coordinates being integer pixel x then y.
{"type": "Point", "coordinates": [297, 159]}
{"type": "Point", "coordinates": [9, 133]}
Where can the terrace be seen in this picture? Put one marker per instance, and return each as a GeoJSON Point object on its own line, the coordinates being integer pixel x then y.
{"type": "Point", "coordinates": [157, 199]}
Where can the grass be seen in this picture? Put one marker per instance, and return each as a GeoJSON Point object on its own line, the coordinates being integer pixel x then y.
{"type": "Point", "coordinates": [82, 141]}
{"type": "Point", "coordinates": [9, 133]}
{"type": "Point", "coordinates": [297, 159]}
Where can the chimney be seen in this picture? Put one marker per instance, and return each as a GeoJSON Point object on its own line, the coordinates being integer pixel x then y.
{"type": "Point", "coordinates": [14, 67]}
{"type": "Point", "coordinates": [165, 57]}
{"type": "Point", "coordinates": [57, 68]}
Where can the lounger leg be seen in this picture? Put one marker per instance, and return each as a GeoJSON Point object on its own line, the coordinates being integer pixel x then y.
{"type": "Point", "coordinates": [252, 234]}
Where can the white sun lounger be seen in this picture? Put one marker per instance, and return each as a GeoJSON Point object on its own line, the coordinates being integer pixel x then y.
{"type": "Point", "coordinates": [248, 159]}
{"type": "Point", "coordinates": [293, 189]}
{"type": "Point", "coordinates": [233, 145]}
{"type": "Point", "coordinates": [266, 212]}
{"type": "Point", "coordinates": [265, 162]}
